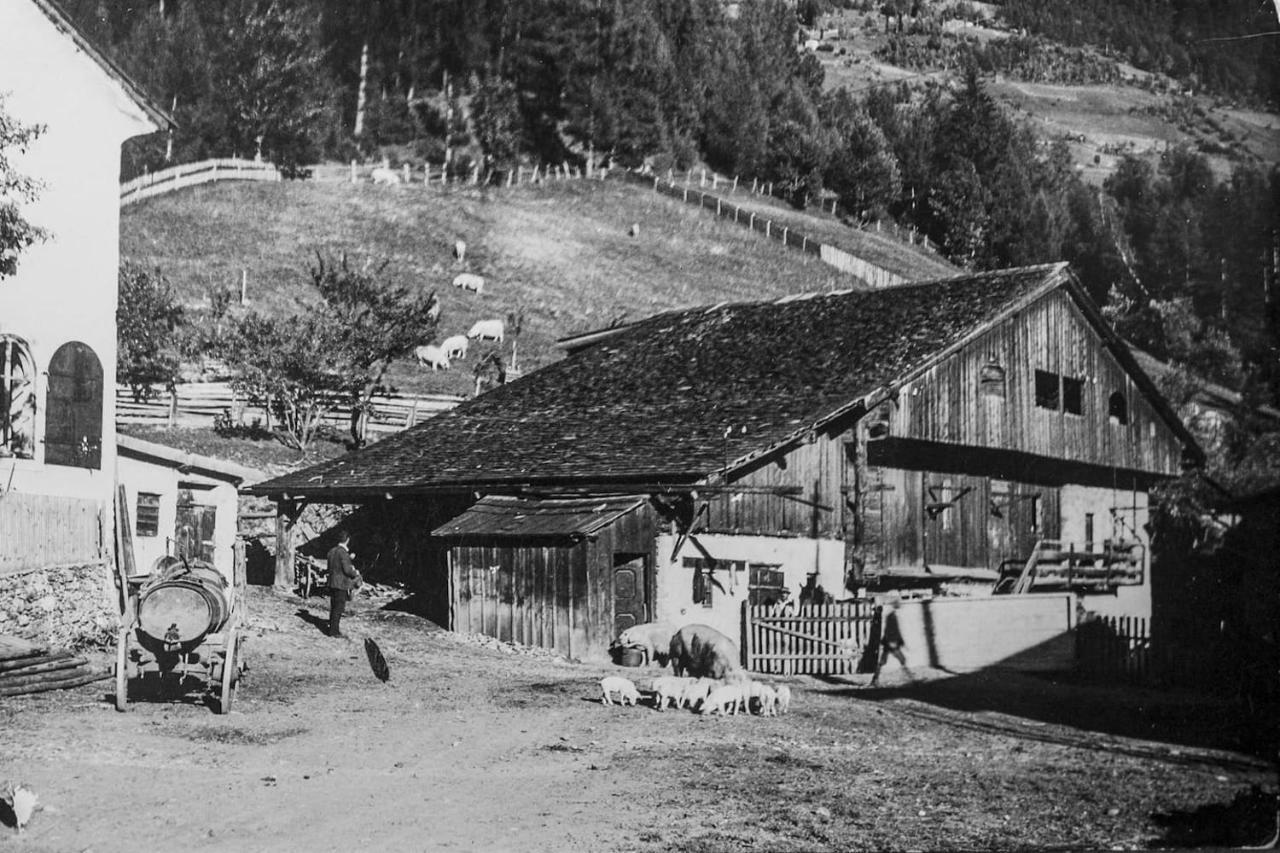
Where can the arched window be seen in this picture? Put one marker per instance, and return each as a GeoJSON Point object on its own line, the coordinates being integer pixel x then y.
{"type": "Point", "coordinates": [1117, 409]}
{"type": "Point", "coordinates": [73, 418]}
{"type": "Point", "coordinates": [991, 380]}
{"type": "Point", "coordinates": [17, 399]}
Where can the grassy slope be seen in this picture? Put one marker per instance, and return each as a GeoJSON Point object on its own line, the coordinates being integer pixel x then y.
{"type": "Point", "coordinates": [560, 252]}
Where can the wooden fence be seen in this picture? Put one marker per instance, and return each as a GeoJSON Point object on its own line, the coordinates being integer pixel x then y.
{"type": "Point", "coordinates": [875, 276]}
{"type": "Point", "coordinates": [1115, 648]}
{"type": "Point", "coordinates": [444, 174]}
{"type": "Point", "coordinates": [813, 639]}
{"type": "Point", "coordinates": [191, 174]}
{"type": "Point", "coordinates": [199, 403]}
{"type": "Point", "coordinates": [41, 531]}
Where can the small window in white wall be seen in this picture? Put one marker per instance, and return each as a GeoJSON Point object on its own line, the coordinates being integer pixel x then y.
{"type": "Point", "coordinates": [17, 399]}
{"type": "Point", "coordinates": [148, 523]}
{"type": "Point", "coordinates": [765, 584]}
{"type": "Point", "coordinates": [702, 582]}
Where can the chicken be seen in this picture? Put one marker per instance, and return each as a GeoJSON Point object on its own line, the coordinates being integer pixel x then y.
{"type": "Point", "coordinates": [23, 802]}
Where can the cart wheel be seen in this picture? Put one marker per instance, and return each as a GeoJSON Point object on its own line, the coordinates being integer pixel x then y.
{"type": "Point", "coordinates": [122, 670]}
{"type": "Point", "coordinates": [230, 673]}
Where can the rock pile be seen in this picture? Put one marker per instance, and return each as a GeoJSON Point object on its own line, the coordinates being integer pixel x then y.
{"type": "Point", "coordinates": [63, 607]}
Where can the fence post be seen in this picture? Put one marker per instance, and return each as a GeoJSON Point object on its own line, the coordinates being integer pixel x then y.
{"type": "Point", "coordinates": [735, 183]}
{"type": "Point", "coordinates": [702, 179]}
{"type": "Point", "coordinates": [717, 207]}
{"type": "Point", "coordinates": [784, 235]}
{"type": "Point", "coordinates": [753, 186]}
{"type": "Point", "coordinates": [751, 221]}
{"type": "Point", "coordinates": [353, 171]}
{"type": "Point", "coordinates": [714, 180]}
{"type": "Point", "coordinates": [407, 175]}
{"type": "Point", "coordinates": [768, 223]}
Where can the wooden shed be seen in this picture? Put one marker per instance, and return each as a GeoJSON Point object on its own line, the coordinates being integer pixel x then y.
{"type": "Point", "coordinates": [562, 573]}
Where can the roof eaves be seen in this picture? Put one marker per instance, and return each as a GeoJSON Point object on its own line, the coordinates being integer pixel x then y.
{"type": "Point", "coordinates": [218, 468]}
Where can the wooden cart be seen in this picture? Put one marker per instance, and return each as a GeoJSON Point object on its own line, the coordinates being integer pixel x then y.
{"type": "Point", "coordinates": [182, 626]}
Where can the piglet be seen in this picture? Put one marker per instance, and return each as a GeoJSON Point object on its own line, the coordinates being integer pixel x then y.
{"type": "Point", "coordinates": [626, 690]}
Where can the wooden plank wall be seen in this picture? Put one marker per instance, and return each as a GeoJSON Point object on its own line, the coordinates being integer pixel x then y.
{"type": "Point", "coordinates": [947, 404]}
{"type": "Point", "coordinates": [815, 470]}
{"type": "Point", "coordinates": [552, 596]}
{"type": "Point", "coordinates": [45, 530]}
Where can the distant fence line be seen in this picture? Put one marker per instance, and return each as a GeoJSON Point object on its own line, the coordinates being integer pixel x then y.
{"type": "Point", "coordinates": [877, 277]}
{"type": "Point", "coordinates": [191, 174]}
{"type": "Point", "coordinates": [429, 175]}
{"type": "Point", "coordinates": [200, 403]}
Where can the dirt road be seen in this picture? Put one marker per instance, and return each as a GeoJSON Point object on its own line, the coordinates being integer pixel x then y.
{"type": "Point", "coordinates": [473, 748]}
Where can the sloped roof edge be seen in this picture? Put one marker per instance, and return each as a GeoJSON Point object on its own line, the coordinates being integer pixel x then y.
{"type": "Point", "coordinates": [221, 469]}
{"type": "Point", "coordinates": [132, 88]}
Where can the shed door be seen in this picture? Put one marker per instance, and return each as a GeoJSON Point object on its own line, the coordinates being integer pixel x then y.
{"type": "Point", "coordinates": [630, 580]}
{"type": "Point", "coordinates": [193, 531]}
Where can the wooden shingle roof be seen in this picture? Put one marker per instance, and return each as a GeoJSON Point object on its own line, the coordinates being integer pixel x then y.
{"type": "Point", "coordinates": [505, 517]}
{"type": "Point", "coordinates": [678, 397]}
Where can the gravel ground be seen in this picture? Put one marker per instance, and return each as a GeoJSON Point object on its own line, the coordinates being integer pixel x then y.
{"type": "Point", "coordinates": [479, 745]}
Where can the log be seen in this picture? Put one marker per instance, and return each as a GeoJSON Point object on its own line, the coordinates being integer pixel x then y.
{"type": "Point", "coordinates": [76, 681]}
{"type": "Point", "coordinates": [36, 678]}
{"type": "Point", "coordinates": [39, 660]}
{"type": "Point", "coordinates": [12, 648]}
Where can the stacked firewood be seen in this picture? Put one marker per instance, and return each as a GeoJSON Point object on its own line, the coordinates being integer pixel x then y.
{"type": "Point", "coordinates": [28, 668]}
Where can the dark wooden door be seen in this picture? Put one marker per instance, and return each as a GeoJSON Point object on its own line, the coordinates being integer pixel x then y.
{"type": "Point", "coordinates": [630, 586]}
{"type": "Point", "coordinates": [1018, 516]}
{"type": "Point", "coordinates": [193, 530]}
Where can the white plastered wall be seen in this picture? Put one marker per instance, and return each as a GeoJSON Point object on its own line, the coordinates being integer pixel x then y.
{"type": "Point", "coordinates": [797, 558]}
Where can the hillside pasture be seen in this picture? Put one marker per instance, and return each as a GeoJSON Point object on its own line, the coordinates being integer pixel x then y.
{"type": "Point", "coordinates": [560, 252]}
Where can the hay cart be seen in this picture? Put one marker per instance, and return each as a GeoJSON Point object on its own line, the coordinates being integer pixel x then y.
{"type": "Point", "coordinates": [180, 630]}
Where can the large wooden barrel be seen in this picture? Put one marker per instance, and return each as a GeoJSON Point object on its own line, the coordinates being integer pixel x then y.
{"type": "Point", "coordinates": [182, 603]}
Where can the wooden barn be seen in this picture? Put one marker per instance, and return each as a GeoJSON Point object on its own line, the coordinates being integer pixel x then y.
{"type": "Point", "coordinates": [945, 437]}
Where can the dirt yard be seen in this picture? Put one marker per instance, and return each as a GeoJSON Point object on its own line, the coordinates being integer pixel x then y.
{"type": "Point", "coordinates": [471, 746]}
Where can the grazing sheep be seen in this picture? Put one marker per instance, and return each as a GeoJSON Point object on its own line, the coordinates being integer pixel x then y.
{"type": "Point", "coordinates": [460, 250]}
{"type": "Point", "coordinates": [487, 330]}
{"type": "Point", "coordinates": [469, 281]}
{"type": "Point", "coordinates": [700, 650]}
{"type": "Point", "coordinates": [385, 176]}
{"type": "Point", "coordinates": [695, 692]}
{"type": "Point", "coordinates": [626, 690]}
{"type": "Point", "coordinates": [634, 230]}
{"type": "Point", "coordinates": [432, 356]}
{"type": "Point", "coordinates": [725, 699]}
{"type": "Point", "coordinates": [669, 687]}
{"type": "Point", "coordinates": [783, 703]}
{"type": "Point", "coordinates": [455, 346]}
{"type": "Point", "coordinates": [653, 637]}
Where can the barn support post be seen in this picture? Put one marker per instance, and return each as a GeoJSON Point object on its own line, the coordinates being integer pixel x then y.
{"type": "Point", "coordinates": [287, 512]}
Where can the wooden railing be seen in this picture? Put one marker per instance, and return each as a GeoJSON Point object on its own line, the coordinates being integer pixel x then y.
{"type": "Point", "coordinates": [200, 403]}
{"type": "Point", "coordinates": [191, 174]}
{"type": "Point", "coordinates": [43, 531]}
{"type": "Point", "coordinates": [812, 639]}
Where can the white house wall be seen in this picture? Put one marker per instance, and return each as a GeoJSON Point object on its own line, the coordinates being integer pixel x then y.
{"type": "Point", "coordinates": [65, 287]}
{"type": "Point", "coordinates": [797, 558]}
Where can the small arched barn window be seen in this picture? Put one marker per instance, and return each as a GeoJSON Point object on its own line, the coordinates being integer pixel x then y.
{"type": "Point", "coordinates": [17, 399]}
{"type": "Point", "coordinates": [991, 380]}
{"type": "Point", "coordinates": [1117, 409]}
{"type": "Point", "coordinates": [73, 434]}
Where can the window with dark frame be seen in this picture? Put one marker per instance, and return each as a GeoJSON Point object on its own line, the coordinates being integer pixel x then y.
{"type": "Point", "coordinates": [1047, 390]}
{"type": "Point", "coordinates": [702, 586]}
{"type": "Point", "coordinates": [1088, 531]}
{"type": "Point", "coordinates": [765, 584]}
{"type": "Point", "coordinates": [1072, 395]}
{"type": "Point", "coordinates": [1117, 409]}
{"type": "Point", "coordinates": [17, 400]}
{"type": "Point", "coordinates": [148, 514]}
{"type": "Point", "coordinates": [73, 412]}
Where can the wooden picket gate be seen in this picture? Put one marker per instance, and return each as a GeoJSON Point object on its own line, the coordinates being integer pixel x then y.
{"type": "Point", "coordinates": [813, 639]}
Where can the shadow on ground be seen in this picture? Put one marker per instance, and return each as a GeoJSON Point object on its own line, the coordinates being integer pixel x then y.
{"type": "Point", "coordinates": [1249, 819]}
{"type": "Point", "coordinates": [1028, 705]}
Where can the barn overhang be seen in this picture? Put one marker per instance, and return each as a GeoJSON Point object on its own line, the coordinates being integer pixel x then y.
{"type": "Point", "coordinates": [513, 519]}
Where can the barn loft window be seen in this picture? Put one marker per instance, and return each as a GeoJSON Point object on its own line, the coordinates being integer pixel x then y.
{"type": "Point", "coordinates": [991, 380]}
{"type": "Point", "coordinates": [17, 399]}
{"type": "Point", "coordinates": [1072, 396]}
{"type": "Point", "coordinates": [878, 423]}
{"type": "Point", "coordinates": [1117, 409]}
{"type": "Point", "coordinates": [1047, 396]}
{"type": "Point", "coordinates": [148, 514]}
{"type": "Point", "coordinates": [73, 433]}
{"type": "Point", "coordinates": [765, 584]}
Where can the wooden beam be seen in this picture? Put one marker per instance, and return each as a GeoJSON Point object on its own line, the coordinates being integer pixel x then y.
{"type": "Point", "coordinates": [287, 512]}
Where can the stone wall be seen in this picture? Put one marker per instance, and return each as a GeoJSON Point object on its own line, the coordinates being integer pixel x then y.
{"type": "Point", "coordinates": [63, 607]}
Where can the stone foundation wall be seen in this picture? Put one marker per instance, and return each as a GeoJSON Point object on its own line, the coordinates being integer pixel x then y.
{"type": "Point", "coordinates": [63, 607]}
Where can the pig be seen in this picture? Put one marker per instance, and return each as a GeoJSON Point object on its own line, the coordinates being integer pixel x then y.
{"type": "Point", "coordinates": [626, 690]}
{"type": "Point", "coordinates": [783, 701]}
{"type": "Point", "coordinates": [764, 695]}
{"type": "Point", "coordinates": [725, 699]}
{"type": "Point", "coordinates": [653, 637]}
{"type": "Point", "coordinates": [702, 651]}
{"type": "Point", "coordinates": [695, 691]}
{"type": "Point", "coordinates": [669, 687]}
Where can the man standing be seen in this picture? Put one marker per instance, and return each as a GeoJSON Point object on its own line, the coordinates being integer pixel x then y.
{"type": "Point", "coordinates": [343, 578]}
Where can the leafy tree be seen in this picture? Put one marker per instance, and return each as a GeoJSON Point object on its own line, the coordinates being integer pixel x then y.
{"type": "Point", "coordinates": [16, 233]}
{"type": "Point", "coordinates": [366, 324]}
{"type": "Point", "coordinates": [862, 168]}
{"type": "Point", "coordinates": [148, 319]}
